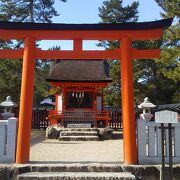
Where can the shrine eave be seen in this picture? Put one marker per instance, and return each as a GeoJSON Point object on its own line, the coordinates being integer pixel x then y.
{"type": "Point", "coordinates": [79, 81]}
{"type": "Point", "coordinates": [164, 23]}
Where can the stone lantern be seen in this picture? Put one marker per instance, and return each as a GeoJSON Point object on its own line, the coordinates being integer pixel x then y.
{"type": "Point", "coordinates": [8, 105]}
{"type": "Point", "coordinates": [146, 106]}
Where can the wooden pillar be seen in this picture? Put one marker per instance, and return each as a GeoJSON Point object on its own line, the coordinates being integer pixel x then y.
{"type": "Point", "coordinates": [129, 129]}
{"type": "Point", "coordinates": [77, 45]}
{"type": "Point", "coordinates": [26, 102]}
{"type": "Point", "coordinates": [102, 101]}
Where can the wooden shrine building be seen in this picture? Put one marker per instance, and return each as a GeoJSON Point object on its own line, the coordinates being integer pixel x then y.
{"type": "Point", "coordinates": [80, 101]}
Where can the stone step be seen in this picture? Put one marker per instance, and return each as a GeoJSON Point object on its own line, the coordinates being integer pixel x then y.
{"type": "Point", "coordinates": [78, 133]}
{"type": "Point", "coordinates": [76, 176]}
{"type": "Point", "coordinates": [79, 138]}
{"type": "Point", "coordinates": [81, 129]}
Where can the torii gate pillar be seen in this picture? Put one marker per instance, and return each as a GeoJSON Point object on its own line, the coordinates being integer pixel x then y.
{"type": "Point", "coordinates": [26, 102]}
{"type": "Point", "coordinates": [129, 130]}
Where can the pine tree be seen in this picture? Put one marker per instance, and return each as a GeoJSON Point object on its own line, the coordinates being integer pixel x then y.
{"type": "Point", "coordinates": [10, 70]}
{"type": "Point", "coordinates": [28, 10]}
{"type": "Point", "coordinates": [157, 79]}
{"type": "Point", "coordinates": [113, 11]}
{"type": "Point", "coordinates": [170, 54]}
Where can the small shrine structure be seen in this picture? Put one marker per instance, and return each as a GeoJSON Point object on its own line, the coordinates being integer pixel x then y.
{"type": "Point", "coordinates": [80, 101]}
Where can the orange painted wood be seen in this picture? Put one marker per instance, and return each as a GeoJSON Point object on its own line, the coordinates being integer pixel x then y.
{"type": "Point", "coordinates": [77, 54]}
{"type": "Point", "coordinates": [11, 53]}
{"type": "Point", "coordinates": [95, 100]}
{"type": "Point", "coordinates": [26, 102]}
{"type": "Point", "coordinates": [82, 109]}
{"type": "Point", "coordinates": [79, 85]}
{"type": "Point", "coordinates": [77, 45]}
{"type": "Point", "coordinates": [85, 89]}
{"type": "Point", "coordinates": [151, 34]}
{"type": "Point", "coordinates": [146, 54]}
{"type": "Point", "coordinates": [129, 129]}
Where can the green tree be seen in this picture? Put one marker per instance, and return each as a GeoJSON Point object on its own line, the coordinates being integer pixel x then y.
{"type": "Point", "coordinates": [10, 75]}
{"type": "Point", "coordinates": [10, 79]}
{"type": "Point", "coordinates": [170, 54]}
{"type": "Point", "coordinates": [113, 11]}
{"type": "Point", "coordinates": [28, 10]}
{"type": "Point", "coordinates": [157, 79]}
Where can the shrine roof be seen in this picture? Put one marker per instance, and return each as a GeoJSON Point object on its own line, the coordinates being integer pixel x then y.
{"type": "Point", "coordinates": [79, 71]}
{"type": "Point", "coordinates": [165, 23]}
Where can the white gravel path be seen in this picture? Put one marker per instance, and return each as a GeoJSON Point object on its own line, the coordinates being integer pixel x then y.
{"type": "Point", "coordinates": [54, 151]}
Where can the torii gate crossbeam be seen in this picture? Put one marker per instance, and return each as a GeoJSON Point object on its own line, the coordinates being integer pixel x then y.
{"type": "Point", "coordinates": [125, 33]}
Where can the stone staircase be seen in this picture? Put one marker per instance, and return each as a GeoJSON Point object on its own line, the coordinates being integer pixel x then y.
{"type": "Point", "coordinates": [76, 172]}
{"type": "Point", "coordinates": [79, 134]}
{"type": "Point", "coordinates": [76, 176]}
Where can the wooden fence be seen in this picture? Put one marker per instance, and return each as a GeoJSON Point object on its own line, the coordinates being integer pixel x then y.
{"type": "Point", "coordinates": [8, 132]}
{"type": "Point", "coordinates": [39, 119]}
{"type": "Point", "coordinates": [149, 142]}
{"type": "Point", "coordinates": [116, 120]}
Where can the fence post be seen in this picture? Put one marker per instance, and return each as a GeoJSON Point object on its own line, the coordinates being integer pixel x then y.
{"type": "Point", "coordinates": [11, 138]}
{"type": "Point", "coordinates": [8, 132]}
{"type": "Point", "coordinates": [141, 126]}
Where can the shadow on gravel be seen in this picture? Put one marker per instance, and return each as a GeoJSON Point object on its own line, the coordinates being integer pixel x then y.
{"type": "Point", "coordinates": [37, 136]}
{"type": "Point", "coordinates": [59, 142]}
{"type": "Point", "coordinates": [117, 134]}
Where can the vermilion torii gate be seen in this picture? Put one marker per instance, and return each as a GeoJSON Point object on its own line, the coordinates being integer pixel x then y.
{"type": "Point", "coordinates": [125, 33]}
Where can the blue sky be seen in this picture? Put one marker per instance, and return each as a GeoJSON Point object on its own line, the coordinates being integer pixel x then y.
{"type": "Point", "coordinates": [86, 11]}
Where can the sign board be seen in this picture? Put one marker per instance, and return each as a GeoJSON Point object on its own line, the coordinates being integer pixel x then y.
{"type": "Point", "coordinates": [166, 116]}
{"type": "Point", "coordinates": [78, 125]}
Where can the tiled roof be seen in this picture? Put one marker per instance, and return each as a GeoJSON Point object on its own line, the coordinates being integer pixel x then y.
{"type": "Point", "coordinates": [79, 71]}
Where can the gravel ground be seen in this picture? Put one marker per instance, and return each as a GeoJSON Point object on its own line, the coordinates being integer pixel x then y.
{"type": "Point", "coordinates": [54, 151]}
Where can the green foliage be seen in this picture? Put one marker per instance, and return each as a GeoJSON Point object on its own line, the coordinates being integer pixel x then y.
{"type": "Point", "coordinates": [10, 79]}
{"type": "Point", "coordinates": [112, 11]}
{"type": "Point", "coordinates": [41, 86]}
{"type": "Point", "coordinates": [158, 79]}
{"type": "Point", "coordinates": [170, 54]}
{"type": "Point", "coordinates": [11, 70]}
{"type": "Point", "coordinates": [171, 7]}
{"type": "Point", "coordinates": [20, 10]}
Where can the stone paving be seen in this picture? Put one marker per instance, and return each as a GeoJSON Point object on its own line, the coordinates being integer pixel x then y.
{"type": "Point", "coordinates": [53, 151]}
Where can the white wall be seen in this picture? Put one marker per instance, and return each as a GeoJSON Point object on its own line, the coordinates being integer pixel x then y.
{"type": "Point", "coordinates": [59, 108]}
{"type": "Point", "coordinates": [8, 131]}
{"type": "Point", "coordinates": [99, 103]}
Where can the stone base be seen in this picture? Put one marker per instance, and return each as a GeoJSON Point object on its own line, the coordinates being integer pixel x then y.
{"type": "Point", "coordinates": [76, 176]}
{"type": "Point", "coordinates": [58, 132]}
{"type": "Point", "coordinates": [141, 172]}
{"type": "Point", "coordinates": [80, 134]}
{"type": "Point", "coordinates": [79, 138]}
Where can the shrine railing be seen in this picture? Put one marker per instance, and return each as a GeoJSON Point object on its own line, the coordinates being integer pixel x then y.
{"type": "Point", "coordinates": [92, 117]}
